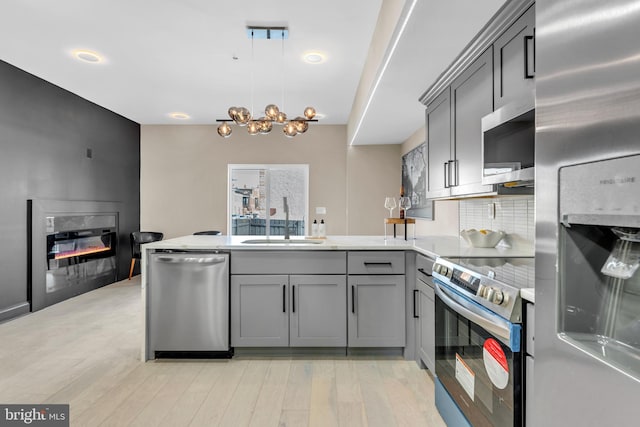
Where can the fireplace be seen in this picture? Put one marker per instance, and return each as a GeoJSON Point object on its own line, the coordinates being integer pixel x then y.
{"type": "Point", "coordinates": [73, 249]}
{"type": "Point", "coordinates": [75, 256]}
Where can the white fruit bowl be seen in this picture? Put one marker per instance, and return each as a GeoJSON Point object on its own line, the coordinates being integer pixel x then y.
{"type": "Point", "coordinates": [482, 238]}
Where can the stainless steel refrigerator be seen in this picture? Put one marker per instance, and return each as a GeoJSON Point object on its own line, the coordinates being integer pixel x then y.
{"type": "Point", "coordinates": [587, 323]}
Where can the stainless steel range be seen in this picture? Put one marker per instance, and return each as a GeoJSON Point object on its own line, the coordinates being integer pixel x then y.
{"type": "Point", "coordinates": [478, 339]}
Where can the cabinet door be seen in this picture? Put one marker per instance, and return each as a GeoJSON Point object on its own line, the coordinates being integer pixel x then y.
{"type": "Point", "coordinates": [427, 334]}
{"type": "Point", "coordinates": [376, 306]}
{"type": "Point", "coordinates": [514, 61]}
{"type": "Point", "coordinates": [438, 122]}
{"type": "Point", "coordinates": [472, 99]}
{"type": "Point", "coordinates": [259, 311]}
{"type": "Point", "coordinates": [318, 311]}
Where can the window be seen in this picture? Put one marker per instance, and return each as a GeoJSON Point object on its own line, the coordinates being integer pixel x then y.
{"type": "Point", "coordinates": [256, 199]}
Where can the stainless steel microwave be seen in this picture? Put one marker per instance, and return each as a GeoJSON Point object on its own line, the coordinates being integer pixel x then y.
{"type": "Point", "coordinates": [508, 145]}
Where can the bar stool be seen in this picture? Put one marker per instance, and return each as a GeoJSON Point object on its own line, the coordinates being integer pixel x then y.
{"type": "Point", "coordinates": [138, 238]}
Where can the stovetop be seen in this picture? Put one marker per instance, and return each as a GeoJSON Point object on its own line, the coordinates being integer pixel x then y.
{"type": "Point", "coordinates": [517, 272]}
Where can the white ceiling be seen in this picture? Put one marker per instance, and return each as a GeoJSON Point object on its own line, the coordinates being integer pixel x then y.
{"type": "Point", "coordinates": [166, 56]}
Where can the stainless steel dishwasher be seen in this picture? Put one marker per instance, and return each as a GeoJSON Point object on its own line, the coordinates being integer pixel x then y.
{"type": "Point", "coordinates": [188, 295]}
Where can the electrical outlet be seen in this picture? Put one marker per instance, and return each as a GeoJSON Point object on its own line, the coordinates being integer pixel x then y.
{"type": "Point", "coordinates": [321, 210]}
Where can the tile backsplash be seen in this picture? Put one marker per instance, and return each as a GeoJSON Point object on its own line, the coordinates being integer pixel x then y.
{"type": "Point", "coordinates": [513, 215]}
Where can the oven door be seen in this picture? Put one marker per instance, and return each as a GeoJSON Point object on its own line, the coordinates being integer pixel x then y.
{"type": "Point", "coordinates": [478, 360]}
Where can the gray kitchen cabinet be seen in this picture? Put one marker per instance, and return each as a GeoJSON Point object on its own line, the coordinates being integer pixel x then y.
{"type": "Point", "coordinates": [288, 311]}
{"type": "Point", "coordinates": [514, 61]}
{"type": "Point", "coordinates": [427, 328]}
{"type": "Point", "coordinates": [454, 133]}
{"type": "Point", "coordinates": [318, 311]}
{"type": "Point", "coordinates": [288, 299]}
{"type": "Point", "coordinates": [259, 311]}
{"type": "Point", "coordinates": [376, 306]}
{"type": "Point", "coordinates": [471, 99]}
{"type": "Point", "coordinates": [438, 128]}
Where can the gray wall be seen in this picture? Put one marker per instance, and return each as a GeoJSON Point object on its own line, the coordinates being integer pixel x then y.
{"type": "Point", "coordinates": [45, 132]}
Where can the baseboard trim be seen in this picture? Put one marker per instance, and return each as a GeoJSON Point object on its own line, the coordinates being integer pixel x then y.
{"type": "Point", "coordinates": [14, 311]}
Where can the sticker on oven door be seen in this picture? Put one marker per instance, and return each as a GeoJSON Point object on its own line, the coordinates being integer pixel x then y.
{"type": "Point", "coordinates": [495, 362]}
{"type": "Point", "coordinates": [465, 376]}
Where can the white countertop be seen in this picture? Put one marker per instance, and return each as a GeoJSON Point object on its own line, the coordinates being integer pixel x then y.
{"type": "Point", "coordinates": [433, 246]}
{"type": "Point", "coordinates": [528, 294]}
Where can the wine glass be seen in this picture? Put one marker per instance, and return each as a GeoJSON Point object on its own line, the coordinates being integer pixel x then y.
{"type": "Point", "coordinates": [390, 203]}
{"type": "Point", "coordinates": [405, 204]}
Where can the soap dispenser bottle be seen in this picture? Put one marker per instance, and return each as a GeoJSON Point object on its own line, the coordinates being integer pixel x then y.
{"type": "Point", "coordinates": [322, 229]}
{"type": "Point", "coordinates": [314, 228]}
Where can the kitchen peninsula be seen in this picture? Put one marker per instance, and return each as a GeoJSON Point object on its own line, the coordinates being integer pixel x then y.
{"type": "Point", "coordinates": [358, 259]}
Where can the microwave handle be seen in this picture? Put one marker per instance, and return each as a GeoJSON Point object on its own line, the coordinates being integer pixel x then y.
{"type": "Point", "coordinates": [492, 323]}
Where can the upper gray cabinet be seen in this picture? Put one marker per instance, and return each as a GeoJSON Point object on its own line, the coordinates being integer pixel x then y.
{"type": "Point", "coordinates": [439, 144]}
{"type": "Point", "coordinates": [496, 68]}
{"type": "Point", "coordinates": [514, 61]}
{"type": "Point", "coordinates": [453, 121]}
{"type": "Point", "coordinates": [471, 96]}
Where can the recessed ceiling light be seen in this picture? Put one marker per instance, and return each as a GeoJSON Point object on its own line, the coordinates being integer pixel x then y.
{"type": "Point", "coordinates": [179, 116]}
{"type": "Point", "coordinates": [314, 57]}
{"type": "Point", "coordinates": [87, 56]}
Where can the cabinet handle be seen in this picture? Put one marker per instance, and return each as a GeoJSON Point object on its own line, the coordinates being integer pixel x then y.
{"type": "Point", "coordinates": [293, 298]}
{"type": "Point", "coordinates": [353, 299]}
{"type": "Point", "coordinates": [378, 263]}
{"type": "Point", "coordinates": [284, 299]}
{"type": "Point", "coordinates": [421, 270]}
{"type": "Point", "coordinates": [453, 181]}
{"type": "Point", "coordinates": [527, 39]}
{"type": "Point", "coordinates": [415, 312]}
{"type": "Point", "coordinates": [446, 165]}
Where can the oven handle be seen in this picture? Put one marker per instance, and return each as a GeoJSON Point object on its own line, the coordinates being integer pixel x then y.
{"type": "Point", "coordinates": [492, 323]}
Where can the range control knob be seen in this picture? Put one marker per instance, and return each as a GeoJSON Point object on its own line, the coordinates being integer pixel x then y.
{"type": "Point", "coordinates": [488, 294]}
{"type": "Point", "coordinates": [481, 290]}
{"type": "Point", "coordinates": [498, 297]}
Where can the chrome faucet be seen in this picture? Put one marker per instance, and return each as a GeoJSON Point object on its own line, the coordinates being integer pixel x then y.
{"type": "Point", "coordinates": [286, 219]}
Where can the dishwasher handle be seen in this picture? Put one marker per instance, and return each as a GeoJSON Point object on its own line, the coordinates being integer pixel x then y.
{"type": "Point", "coordinates": [192, 260]}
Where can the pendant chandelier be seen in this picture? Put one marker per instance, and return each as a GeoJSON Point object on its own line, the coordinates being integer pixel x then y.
{"type": "Point", "coordinates": [241, 116]}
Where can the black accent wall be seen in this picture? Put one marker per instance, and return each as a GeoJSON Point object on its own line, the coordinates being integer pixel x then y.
{"type": "Point", "coordinates": [57, 145]}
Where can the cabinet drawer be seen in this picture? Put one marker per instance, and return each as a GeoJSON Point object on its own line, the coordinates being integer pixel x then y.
{"type": "Point", "coordinates": [288, 262]}
{"type": "Point", "coordinates": [530, 326]}
{"type": "Point", "coordinates": [424, 266]}
{"type": "Point", "coordinates": [376, 262]}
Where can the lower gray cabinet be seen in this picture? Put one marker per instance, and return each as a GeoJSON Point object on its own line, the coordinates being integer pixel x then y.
{"type": "Point", "coordinates": [376, 311]}
{"type": "Point", "coordinates": [426, 326]}
{"type": "Point", "coordinates": [283, 311]}
{"type": "Point", "coordinates": [259, 313]}
{"type": "Point", "coordinates": [318, 311]}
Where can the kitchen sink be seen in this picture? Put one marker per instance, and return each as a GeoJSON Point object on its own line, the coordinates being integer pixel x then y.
{"type": "Point", "coordinates": [283, 241]}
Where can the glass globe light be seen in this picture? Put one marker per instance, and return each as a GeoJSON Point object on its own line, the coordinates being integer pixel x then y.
{"type": "Point", "coordinates": [243, 116]}
{"type": "Point", "coordinates": [233, 112]}
{"type": "Point", "coordinates": [281, 118]}
{"type": "Point", "coordinates": [265, 125]}
{"type": "Point", "coordinates": [271, 111]}
{"type": "Point", "coordinates": [289, 129]}
{"type": "Point", "coordinates": [253, 127]}
{"type": "Point", "coordinates": [224, 130]}
{"type": "Point", "coordinates": [301, 124]}
{"type": "Point", "coordinates": [309, 113]}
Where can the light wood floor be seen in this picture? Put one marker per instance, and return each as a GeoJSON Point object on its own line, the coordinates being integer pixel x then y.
{"type": "Point", "coordinates": [85, 352]}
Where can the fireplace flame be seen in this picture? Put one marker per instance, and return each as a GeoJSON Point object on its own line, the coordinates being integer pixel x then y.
{"type": "Point", "coordinates": [80, 252]}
